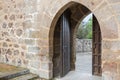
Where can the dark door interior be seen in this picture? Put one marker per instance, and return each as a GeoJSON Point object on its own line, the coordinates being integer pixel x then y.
{"type": "Point", "coordinates": [96, 65]}
{"type": "Point", "coordinates": [65, 43]}
{"type": "Point", "coordinates": [61, 58]}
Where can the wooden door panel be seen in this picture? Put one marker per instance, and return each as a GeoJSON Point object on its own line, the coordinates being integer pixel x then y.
{"type": "Point", "coordinates": [65, 43]}
{"type": "Point", "coordinates": [96, 66]}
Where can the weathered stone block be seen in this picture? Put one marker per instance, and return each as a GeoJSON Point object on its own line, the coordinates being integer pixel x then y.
{"type": "Point", "coordinates": [34, 49]}
{"type": "Point", "coordinates": [5, 44]}
{"type": "Point", "coordinates": [32, 56]}
{"type": "Point", "coordinates": [25, 62]}
{"type": "Point", "coordinates": [34, 64]}
{"type": "Point", "coordinates": [4, 25]}
{"type": "Point", "coordinates": [46, 66]}
{"type": "Point", "coordinates": [44, 58]}
{"type": "Point", "coordinates": [109, 30]}
{"type": "Point", "coordinates": [30, 41]}
{"type": "Point", "coordinates": [110, 70]}
{"type": "Point", "coordinates": [44, 74]}
{"type": "Point", "coordinates": [110, 67]}
{"type": "Point", "coordinates": [27, 24]}
{"type": "Point", "coordinates": [16, 45]}
{"type": "Point", "coordinates": [34, 34]}
{"type": "Point", "coordinates": [16, 52]}
{"type": "Point", "coordinates": [116, 8]}
{"type": "Point", "coordinates": [42, 42]}
{"type": "Point", "coordinates": [44, 51]}
{"type": "Point", "coordinates": [42, 18]}
{"type": "Point", "coordinates": [1, 5]}
{"type": "Point", "coordinates": [10, 25]}
{"type": "Point", "coordinates": [19, 32]}
{"type": "Point", "coordinates": [111, 45]}
{"type": "Point", "coordinates": [114, 1]}
{"type": "Point", "coordinates": [103, 12]}
{"type": "Point", "coordinates": [9, 52]}
{"type": "Point", "coordinates": [12, 17]}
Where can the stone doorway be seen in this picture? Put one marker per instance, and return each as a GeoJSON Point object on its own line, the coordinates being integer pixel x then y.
{"type": "Point", "coordinates": [77, 13]}
{"type": "Point", "coordinates": [83, 63]}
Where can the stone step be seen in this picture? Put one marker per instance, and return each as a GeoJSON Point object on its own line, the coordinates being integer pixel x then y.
{"type": "Point", "coordinates": [29, 76]}
{"type": "Point", "coordinates": [13, 74]}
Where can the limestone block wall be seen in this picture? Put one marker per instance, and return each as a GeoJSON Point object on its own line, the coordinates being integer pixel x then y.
{"type": "Point", "coordinates": [83, 45]}
{"type": "Point", "coordinates": [20, 36]}
{"type": "Point", "coordinates": [12, 33]}
{"type": "Point", "coordinates": [27, 27]}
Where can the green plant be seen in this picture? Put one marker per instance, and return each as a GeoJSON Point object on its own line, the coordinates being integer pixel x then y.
{"type": "Point", "coordinates": [85, 30]}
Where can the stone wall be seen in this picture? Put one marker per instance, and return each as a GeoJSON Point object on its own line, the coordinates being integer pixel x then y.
{"type": "Point", "coordinates": [19, 34]}
{"type": "Point", "coordinates": [83, 45]}
{"type": "Point", "coordinates": [27, 27]}
{"type": "Point", "coordinates": [12, 33]}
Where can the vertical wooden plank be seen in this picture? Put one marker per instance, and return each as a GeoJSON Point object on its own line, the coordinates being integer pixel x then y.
{"type": "Point", "coordinates": [96, 57]}
{"type": "Point", "coordinates": [65, 43]}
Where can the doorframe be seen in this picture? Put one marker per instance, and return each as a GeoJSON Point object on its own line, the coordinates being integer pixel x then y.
{"type": "Point", "coordinates": [97, 53]}
{"type": "Point", "coordinates": [73, 42]}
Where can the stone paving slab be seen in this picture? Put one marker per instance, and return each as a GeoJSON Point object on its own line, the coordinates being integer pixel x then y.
{"type": "Point", "coordinates": [16, 73]}
{"type": "Point", "coordinates": [9, 71]}
{"type": "Point", "coordinates": [26, 77]}
{"type": "Point", "coordinates": [9, 68]}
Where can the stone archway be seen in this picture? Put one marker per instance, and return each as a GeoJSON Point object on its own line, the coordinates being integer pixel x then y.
{"type": "Point", "coordinates": [34, 21]}
{"type": "Point", "coordinates": [104, 28]}
{"type": "Point", "coordinates": [77, 13]}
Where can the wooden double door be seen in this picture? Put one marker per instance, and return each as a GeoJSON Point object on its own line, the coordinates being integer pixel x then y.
{"type": "Point", "coordinates": [65, 51]}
